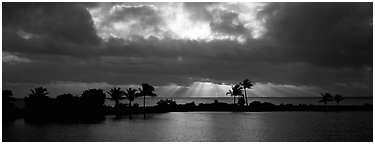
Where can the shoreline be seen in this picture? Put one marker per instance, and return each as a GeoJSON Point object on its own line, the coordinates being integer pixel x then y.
{"type": "Point", "coordinates": [77, 115]}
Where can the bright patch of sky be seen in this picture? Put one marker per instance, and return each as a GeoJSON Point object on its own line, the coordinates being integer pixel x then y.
{"type": "Point", "coordinates": [172, 20]}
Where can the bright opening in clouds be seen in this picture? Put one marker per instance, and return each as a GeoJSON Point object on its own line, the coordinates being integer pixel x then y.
{"type": "Point", "coordinates": [192, 21]}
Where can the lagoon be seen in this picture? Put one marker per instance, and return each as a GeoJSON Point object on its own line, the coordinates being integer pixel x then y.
{"type": "Point", "coordinates": [205, 126]}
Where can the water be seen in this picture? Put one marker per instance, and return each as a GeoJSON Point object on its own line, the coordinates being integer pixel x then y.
{"type": "Point", "coordinates": [151, 101]}
{"type": "Point", "coordinates": [206, 126]}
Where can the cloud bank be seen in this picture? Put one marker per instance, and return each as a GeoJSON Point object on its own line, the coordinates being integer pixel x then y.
{"type": "Point", "coordinates": [290, 47]}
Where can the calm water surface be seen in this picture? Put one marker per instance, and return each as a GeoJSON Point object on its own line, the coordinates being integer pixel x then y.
{"type": "Point", "coordinates": [205, 126]}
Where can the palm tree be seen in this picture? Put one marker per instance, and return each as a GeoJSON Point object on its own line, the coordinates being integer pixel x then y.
{"type": "Point", "coordinates": [326, 97]}
{"type": "Point", "coordinates": [131, 94]}
{"type": "Point", "coordinates": [338, 98]}
{"type": "Point", "coordinates": [37, 98]}
{"type": "Point", "coordinates": [231, 94]}
{"type": "Point", "coordinates": [37, 104]}
{"type": "Point", "coordinates": [246, 84]}
{"type": "Point", "coordinates": [147, 90]}
{"type": "Point", "coordinates": [10, 111]}
{"type": "Point", "coordinates": [236, 91]}
{"type": "Point", "coordinates": [7, 96]}
{"type": "Point", "coordinates": [38, 92]}
{"type": "Point", "coordinates": [116, 94]}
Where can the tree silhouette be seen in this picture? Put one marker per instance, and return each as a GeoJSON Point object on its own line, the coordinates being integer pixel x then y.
{"type": "Point", "coordinates": [93, 97]}
{"type": "Point", "coordinates": [131, 94]}
{"type": "Point", "coordinates": [38, 104]}
{"type": "Point", "coordinates": [92, 103]}
{"type": "Point", "coordinates": [246, 84]}
{"type": "Point", "coordinates": [10, 111]}
{"type": "Point", "coordinates": [38, 92]}
{"type": "Point", "coordinates": [236, 91]}
{"type": "Point", "coordinates": [147, 90]}
{"type": "Point", "coordinates": [67, 99]}
{"type": "Point", "coordinates": [166, 103]}
{"type": "Point", "coordinates": [241, 101]}
{"type": "Point", "coordinates": [338, 98]}
{"type": "Point", "coordinates": [67, 106]}
{"type": "Point", "coordinates": [7, 96]}
{"type": "Point", "coordinates": [116, 94]}
{"type": "Point", "coordinates": [326, 97]}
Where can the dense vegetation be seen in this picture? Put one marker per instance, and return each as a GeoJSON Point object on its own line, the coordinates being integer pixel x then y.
{"type": "Point", "coordinates": [89, 106]}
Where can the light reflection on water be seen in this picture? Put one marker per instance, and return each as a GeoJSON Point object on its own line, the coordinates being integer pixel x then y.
{"type": "Point", "coordinates": [206, 126]}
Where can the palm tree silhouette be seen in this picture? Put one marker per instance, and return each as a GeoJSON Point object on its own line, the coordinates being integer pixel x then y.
{"type": "Point", "coordinates": [147, 90]}
{"type": "Point", "coordinates": [10, 111]}
{"type": "Point", "coordinates": [338, 98]}
{"type": "Point", "coordinates": [37, 98]}
{"type": "Point", "coordinates": [37, 104]}
{"type": "Point", "coordinates": [131, 94]}
{"type": "Point", "coordinates": [236, 91]}
{"type": "Point", "coordinates": [326, 97]}
{"type": "Point", "coordinates": [246, 84]}
{"type": "Point", "coordinates": [38, 92]}
{"type": "Point", "coordinates": [231, 94]}
{"type": "Point", "coordinates": [7, 96]}
{"type": "Point", "coordinates": [117, 95]}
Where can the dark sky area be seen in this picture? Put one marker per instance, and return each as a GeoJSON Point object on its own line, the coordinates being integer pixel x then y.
{"type": "Point", "coordinates": [189, 49]}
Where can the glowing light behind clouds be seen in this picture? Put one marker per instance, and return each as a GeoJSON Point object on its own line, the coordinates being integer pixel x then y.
{"type": "Point", "coordinates": [172, 20]}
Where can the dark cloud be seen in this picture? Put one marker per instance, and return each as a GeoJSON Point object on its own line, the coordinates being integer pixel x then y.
{"type": "Point", "coordinates": [327, 34]}
{"type": "Point", "coordinates": [227, 22]}
{"type": "Point", "coordinates": [59, 21]}
{"type": "Point", "coordinates": [12, 42]}
{"type": "Point", "coordinates": [55, 28]}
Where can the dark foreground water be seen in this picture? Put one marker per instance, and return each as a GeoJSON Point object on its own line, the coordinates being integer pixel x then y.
{"type": "Point", "coordinates": [206, 126]}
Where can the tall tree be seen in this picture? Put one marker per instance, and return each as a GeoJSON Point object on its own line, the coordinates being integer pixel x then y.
{"type": "Point", "coordinates": [38, 92]}
{"type": "Point", "coordinates": [92, 104]}
{"type": "Point", "coordinates": [338, 98]}
{"type": "Point", "coordinates": [236, 91]}
{"type": "Point", "coordinates": [67, 106]}
{"type": "Point", "coordinates": [246, 84]}
{"type": "Point", "coordinates": [37, 97]}
{"type": "Point", "coordinates": [116, 95]}
{"type": "Point", "coordinates": [10, 111]}
{"type": "Point", "coordinates": [131, 94]}
{"type": "Point", "coordinates": [93, 98]}
{"type": "Point", "coordinates": [147, 90]}
{"type": "Point", "coordinates": [7, 96]}
{"type": "Point", "coordinates": [38, 105]}
{"type": "Point", "coordinates": [326, 97]}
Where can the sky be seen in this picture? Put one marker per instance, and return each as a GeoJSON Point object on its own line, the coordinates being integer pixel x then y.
{"type": "Point", "coordinates": [189, 49]}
